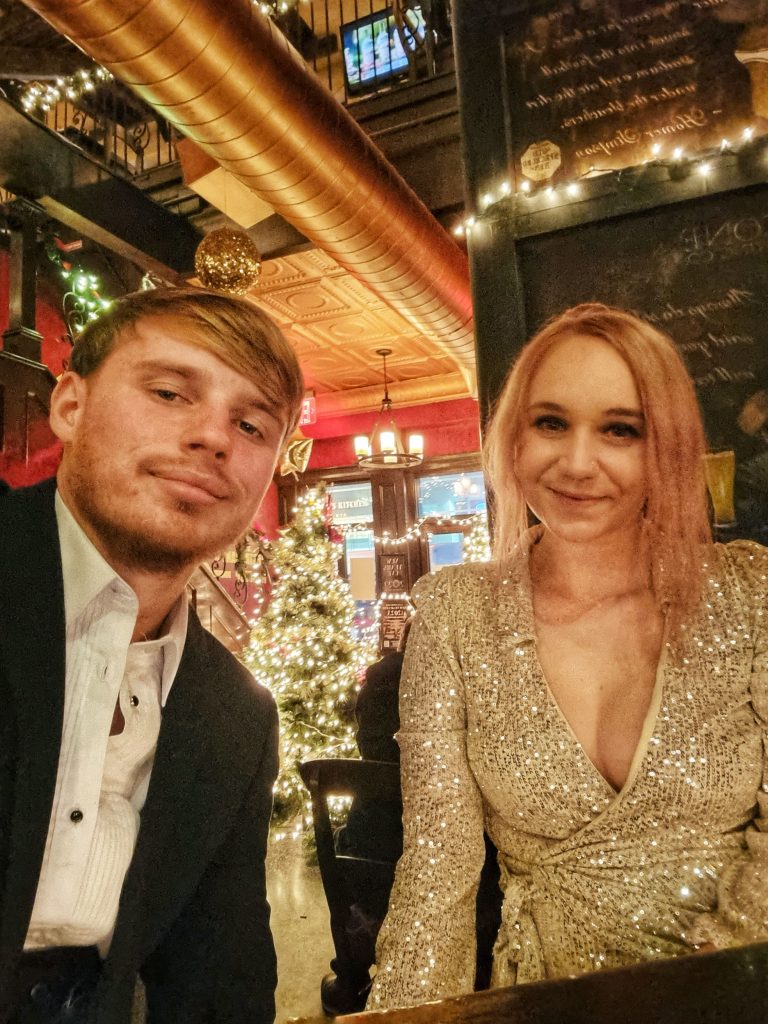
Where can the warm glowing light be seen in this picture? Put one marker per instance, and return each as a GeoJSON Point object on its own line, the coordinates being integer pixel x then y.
{"type": "Point", "coordinates": [416, 444]}
{"type": "Point", "coordinates": [304, 648]}
{"type": "Point", "coordinates": [387, 441]}
{"type": "Point", "coordinates": [362, 448]}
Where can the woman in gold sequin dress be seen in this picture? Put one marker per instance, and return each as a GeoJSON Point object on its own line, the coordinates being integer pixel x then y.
{"type": "Point", "coordinates": [597, 697]}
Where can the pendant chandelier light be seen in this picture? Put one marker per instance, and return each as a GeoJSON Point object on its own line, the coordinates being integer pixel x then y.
{"type": "Point", "coordinates": [384, 449]}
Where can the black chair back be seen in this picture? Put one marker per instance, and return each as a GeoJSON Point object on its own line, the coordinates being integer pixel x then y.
{"type": "Point", "coordinates": [345, 875]}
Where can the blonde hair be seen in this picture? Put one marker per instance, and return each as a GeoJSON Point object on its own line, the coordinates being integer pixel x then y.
{"type": "Point", "coordinates": [236, 331]}
{"type": "Point", "coordinates": [676, 521]}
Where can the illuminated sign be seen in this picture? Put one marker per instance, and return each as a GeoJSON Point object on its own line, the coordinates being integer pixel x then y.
{"type": "Point", "coordinates": [308, 411]}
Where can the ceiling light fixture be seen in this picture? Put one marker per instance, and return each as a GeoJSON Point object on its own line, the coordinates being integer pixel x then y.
{"type": "Point", "coordinates": [384, 449]}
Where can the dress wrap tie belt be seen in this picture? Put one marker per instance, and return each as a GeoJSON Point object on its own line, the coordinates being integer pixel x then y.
{"type": "Point", "coordinates": [518, 956]}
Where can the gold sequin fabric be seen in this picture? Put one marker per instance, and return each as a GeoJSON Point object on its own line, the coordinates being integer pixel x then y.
{"type": "Point", "coordinates": [591, 878]}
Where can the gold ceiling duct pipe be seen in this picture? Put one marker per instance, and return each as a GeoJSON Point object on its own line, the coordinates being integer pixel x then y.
{"type": "Point", "coordinates": [227, 78]}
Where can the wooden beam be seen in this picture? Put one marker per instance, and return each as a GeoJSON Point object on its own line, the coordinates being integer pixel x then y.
{"type": "Point", "coordinates": [31, 63]}
{"type": "Point", "coordinates": [38, 165]}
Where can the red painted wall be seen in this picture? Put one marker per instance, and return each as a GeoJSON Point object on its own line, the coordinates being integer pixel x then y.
{"type": "Point", "coordinates": [449, 428]}
{"type": "Point", "coordinates": [267, 520]}
{"type": "Point", "coordinates": [48, 321]}
{"type": "Point", "coordinates": [55, 350]}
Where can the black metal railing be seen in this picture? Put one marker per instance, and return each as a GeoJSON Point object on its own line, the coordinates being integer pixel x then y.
{"type": "Point", "coordinates": [115, 127]}
{"type": "Point", "coordinates": [102, 117]}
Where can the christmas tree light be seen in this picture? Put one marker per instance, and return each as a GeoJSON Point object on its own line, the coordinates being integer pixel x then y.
{"type": "Point", "coordinates": [304, 649]}
{"type": "Point", "coordinates": [477, 546]}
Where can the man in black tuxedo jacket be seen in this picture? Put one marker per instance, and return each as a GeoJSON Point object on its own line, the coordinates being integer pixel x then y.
{"type": "Point", "coordinates": [137, 756]}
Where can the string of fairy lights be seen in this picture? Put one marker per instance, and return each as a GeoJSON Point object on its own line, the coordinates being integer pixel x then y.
{"type": "Point", "coordinates": [273, 9]}
{"type": "Point", "coordinates": [530, 197]}
{"type": "Point", "coordinates": [421, 529]}
{"type": "Point", "coordinates": [44, 96]}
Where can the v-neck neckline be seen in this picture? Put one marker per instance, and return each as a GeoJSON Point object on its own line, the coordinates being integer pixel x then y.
{"type": "Point", "coordinates": [649, 722]}
{"type": "Point", "coordinates": [652, 712]}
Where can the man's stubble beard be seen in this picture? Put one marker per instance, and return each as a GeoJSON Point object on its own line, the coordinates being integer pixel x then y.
{"type": "Point", "coordinates": [133, 545]}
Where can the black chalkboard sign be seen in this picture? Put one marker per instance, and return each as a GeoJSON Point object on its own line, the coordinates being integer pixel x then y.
{"type": "Point", "coordinates": [394, 615]}
{"type": "Point", "coordinates": [698, 270]}
{"type": "Point", "coordinates": [394, 573]}
{"type": "Point", "coordinates": [607, 84]}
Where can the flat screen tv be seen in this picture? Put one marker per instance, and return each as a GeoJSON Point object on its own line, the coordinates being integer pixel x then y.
{"type": "Point", "coordinates": [373, 51]}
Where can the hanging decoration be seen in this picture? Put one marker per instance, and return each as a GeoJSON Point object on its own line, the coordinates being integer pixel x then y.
{"type": "Point", "coordinates": [296, 456]}
{"type": "Point", "coordinates": [422, 528]}
{"type": "Point", "coordinates": [83, 301]}
{"type": "Point", "coordinates": [228, 261]}
{"type": "Point", "coordinates": [477, 543]}
{"type": "Point", "coordinates": [384, 449]}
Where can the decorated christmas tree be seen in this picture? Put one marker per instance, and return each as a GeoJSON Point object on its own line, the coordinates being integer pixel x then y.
{"type": "Point", "coordinates": [477, 546]}
{"type": "Point", "coordinates": [303, 648]}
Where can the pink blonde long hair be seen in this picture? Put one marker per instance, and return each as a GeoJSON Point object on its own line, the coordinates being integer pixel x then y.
{"type": "Point", "coordinates": [676, 521]}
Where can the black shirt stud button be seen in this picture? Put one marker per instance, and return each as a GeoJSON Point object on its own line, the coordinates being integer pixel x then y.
{"type": "Point", "coordinates": [134, 702]}
{"type": "Point", "coordinates": [76, 815]}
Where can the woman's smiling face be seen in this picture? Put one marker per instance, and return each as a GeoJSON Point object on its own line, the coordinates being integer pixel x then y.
{"type": "Point", "coordinates": [581, 455]}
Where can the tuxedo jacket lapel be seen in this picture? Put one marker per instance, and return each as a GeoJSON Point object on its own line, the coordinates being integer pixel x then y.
{"type": "Point", "coordinates": [197, 786]}
{"type": "Point", "coordinates": [32, 639]}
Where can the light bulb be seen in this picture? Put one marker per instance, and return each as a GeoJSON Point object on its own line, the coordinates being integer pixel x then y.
{"type": "Point", "coordinates": [387, 441]}
{"type": "Point", "coordinates": [416, 445]}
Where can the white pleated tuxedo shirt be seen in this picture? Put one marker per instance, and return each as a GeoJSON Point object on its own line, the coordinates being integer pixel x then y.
{"type": "Point", "coordinates": [102, 780]}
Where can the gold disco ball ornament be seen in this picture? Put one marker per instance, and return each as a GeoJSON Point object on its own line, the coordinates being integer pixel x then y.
{"type": "Point", "coordinates": [228, 261]}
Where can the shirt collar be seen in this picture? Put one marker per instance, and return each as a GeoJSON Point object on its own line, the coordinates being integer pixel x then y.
{"type": "Point", "coordinates": [87, 573]}
{"type": "Point", "coordinates": [174, 638]}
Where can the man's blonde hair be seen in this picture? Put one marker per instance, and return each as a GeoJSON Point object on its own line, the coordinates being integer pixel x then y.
{"type": "Point", "coordinates": [675, 517]}
{"type": "Point", "coordinates": [236, 331]}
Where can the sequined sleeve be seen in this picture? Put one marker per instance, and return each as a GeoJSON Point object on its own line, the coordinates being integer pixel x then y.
{"type": "Point", "coordinates": [426, 947]}
{"type": "Point", "coordinates": [742, 912]}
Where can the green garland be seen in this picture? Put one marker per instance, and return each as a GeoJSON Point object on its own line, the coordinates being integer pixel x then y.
{"type": "Point", "coordinates": [83, 301]}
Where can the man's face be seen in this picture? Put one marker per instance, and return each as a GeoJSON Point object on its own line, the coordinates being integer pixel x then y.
{"type": "Point", "coordinates": [168, 450]}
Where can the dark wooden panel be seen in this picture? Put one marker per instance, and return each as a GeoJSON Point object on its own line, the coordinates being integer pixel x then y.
{"type": "Point", "coordinates": [700, 272]}
{"type": "Point", "coordinates": [25, 390]}
{"type": "Point", "coordinates": [713, 988]}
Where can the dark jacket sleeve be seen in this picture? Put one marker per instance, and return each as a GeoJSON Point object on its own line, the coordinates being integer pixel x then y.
{"type": "Point", "coordinates": [376, 710]}
{"type": "Point", "coordinates": [217, 963]}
